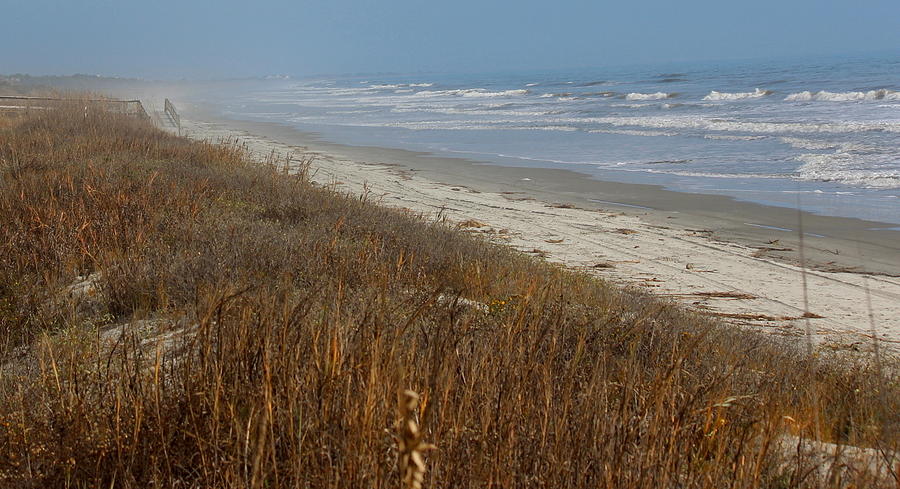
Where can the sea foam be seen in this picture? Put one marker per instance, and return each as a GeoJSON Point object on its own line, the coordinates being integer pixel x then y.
{"type": "Point", "coordinates": [825, 96]}
{"type": "Point", "coordinates": [649, 96]}
{"type": "Point", "coordinates": [843, 168]}
{"type": "Point", "coordinates": [758, 93]}
{"type": "Point", "coordinates": [471, 92]}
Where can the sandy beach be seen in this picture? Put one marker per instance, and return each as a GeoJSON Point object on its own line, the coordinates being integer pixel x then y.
{"type": "Point", "coordinates": [735, 260]}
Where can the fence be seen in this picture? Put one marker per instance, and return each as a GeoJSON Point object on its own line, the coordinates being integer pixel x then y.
{"type": "Point", "coordinates": [173, 115]}
{"type": "Point", "coordinates": [14, 103]}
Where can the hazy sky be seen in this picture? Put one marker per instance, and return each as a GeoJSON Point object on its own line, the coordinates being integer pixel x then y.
{"type": "Point", "coordinates": [174, 39]}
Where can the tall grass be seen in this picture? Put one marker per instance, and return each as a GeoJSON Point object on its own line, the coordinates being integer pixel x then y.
{"type": "Point", "coordinates": [174, 315]}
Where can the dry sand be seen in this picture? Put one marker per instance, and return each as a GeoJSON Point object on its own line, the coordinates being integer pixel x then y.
{"type": "Point", "coordinates": [734, 260]}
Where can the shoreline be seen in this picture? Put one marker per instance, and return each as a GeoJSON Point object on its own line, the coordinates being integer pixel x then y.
{"type": "Point", "coordinates": [731, 259]}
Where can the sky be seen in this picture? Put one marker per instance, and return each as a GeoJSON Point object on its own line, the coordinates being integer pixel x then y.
{"type": "Point", "coordinates": [166, 39]}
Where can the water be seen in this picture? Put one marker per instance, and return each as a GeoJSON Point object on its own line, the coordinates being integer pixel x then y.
{"type": "Point", "coordinates": [825, 133]}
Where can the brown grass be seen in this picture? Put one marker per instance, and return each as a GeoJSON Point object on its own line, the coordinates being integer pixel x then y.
{"type": "Point", "coordinates": [175, 316]}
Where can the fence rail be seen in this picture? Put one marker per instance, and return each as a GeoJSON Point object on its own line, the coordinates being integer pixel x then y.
{"type": "Point", "coordinates": [18, 103]}
{"type": "Point", "coordinates": [173, 114]}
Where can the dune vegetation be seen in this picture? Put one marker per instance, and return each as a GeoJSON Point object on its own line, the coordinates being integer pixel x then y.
{"type": "Point", "coordinates": [173, 314]}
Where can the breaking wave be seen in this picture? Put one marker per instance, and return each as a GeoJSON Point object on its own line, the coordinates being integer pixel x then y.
{"type": "Point", "coordinates": [825, 96]}
{"type": "Point", "coordinates": [471, 92]}
{"type": "Point", "coordinates": [758, 93]}
{"type": "Point", "coordinates": [400, 85]}
{"type": "Point", "coordinates": [649, 96]}
{"type": "Point", "coordinates": [710, 124]}
{"type": "Point", "coordinates": [843, 168]}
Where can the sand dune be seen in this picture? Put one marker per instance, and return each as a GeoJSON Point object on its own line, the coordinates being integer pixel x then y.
{"type": "Point", "coordinates": [739, 282]}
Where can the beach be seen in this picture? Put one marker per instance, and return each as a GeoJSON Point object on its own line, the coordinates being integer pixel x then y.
{"type": "Point", "coordinates": [738, 261]}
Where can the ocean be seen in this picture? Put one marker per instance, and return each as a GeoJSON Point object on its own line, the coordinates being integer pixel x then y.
{"type": "Point", "coordinates": [820, 134]}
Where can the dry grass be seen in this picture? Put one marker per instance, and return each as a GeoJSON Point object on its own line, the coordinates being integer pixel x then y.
{"type": "Point", "coordinates": [174, 316]}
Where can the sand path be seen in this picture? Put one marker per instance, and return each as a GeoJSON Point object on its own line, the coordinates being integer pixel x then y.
{"type": "Point", "coordinates": [726, 279]}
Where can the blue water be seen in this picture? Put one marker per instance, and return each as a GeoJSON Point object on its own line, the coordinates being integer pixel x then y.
{"type": "Point", "coordinates": [822, 133]}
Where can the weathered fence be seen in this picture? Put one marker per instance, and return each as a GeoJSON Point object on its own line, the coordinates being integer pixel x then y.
{"type": "Point", "coordinates": [15, 103]}
{"type": "Point", "coordinates": [173, 115]}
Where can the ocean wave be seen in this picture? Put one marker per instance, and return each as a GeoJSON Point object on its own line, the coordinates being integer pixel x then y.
{"type": "Point", "coordinates": [399, 85]}
{"type": "Point", "coordinates": [445, 125]}
{"type": "Point", "coordinates": [839, 147]}
{"type": "Point", "coordinates": [825, 96]}
{"type": "Point", "coordinates": [668, 162]}
{"type": "Point", "coordinates": [557, 95]}
{"type": "Point", "coordinates": [649, 96]}
{"type": "Point", "coordinates": [844, 168]}
{"type": "Point", "coordinates": [630, 132]}
{"type": "Point", "coordinates": [758, 93]}
{"type": "Point", "coordinates": [471, 92]}
{"type": "Point", "coordinates": [606, 93]}
{"type": "Point", "coordinates": [714, 175]}
{"type": "Point", "coordinates": [725, 125]}
{"type": "Point", "coordinates": [732, 137]}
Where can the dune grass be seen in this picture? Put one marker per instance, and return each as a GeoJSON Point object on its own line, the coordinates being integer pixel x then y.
{"type": "Point", "coordinates": [175, 315]}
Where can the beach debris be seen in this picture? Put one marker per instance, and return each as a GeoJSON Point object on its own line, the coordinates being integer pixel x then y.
{"type": "Point", "coordinates": [758, 317]}
{"type": "Point", "coordinates": [624, 231]}
{"type": "Point", "coordinates": [561, 205]}
{"type": "Point", "coordinates": [762, 251]}
{"type": "Point", "coordinates": [725, 295]}
{"type": "Point", "coordinates": [554, 241]}
{"type": "Point", "coordinates": [605, 264]}
{"type": "Point", "coordinates": [471, 223]}
{"type": "Point", "coordinates": [748, 316]}
{"type": "Point", "coordinates": [540, 253]}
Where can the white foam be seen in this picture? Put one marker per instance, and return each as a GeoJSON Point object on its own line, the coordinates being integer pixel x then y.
{"type": "Point", "coordinates": [726, 125]}
{"type": "Point", "coordinates": [839, 147]}
{"type": "Point", "coordinates": [401, 85]}
{"type": "Point", "coordinates": [845, 168]}
{"type": "Point", "coordinates": [649, 96]}
{"type": "Point", "coordinates": [471, 92]}
{"type": "Point", "coordinates": [825, 96]}
{"type": "Point", "coordinates": [627, 132]}
{"type": "Point", "coordinates": [758, 93]}
{"type": "Point", "coordinates": [732, 137]}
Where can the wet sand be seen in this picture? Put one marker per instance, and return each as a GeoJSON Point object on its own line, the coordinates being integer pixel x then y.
{"type": "Point", "coordinates": [732, 259]}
